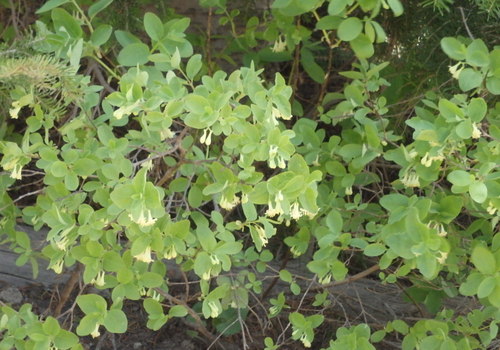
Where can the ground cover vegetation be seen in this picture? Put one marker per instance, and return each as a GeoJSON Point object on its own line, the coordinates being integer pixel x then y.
{"type": "Point", "coordinates": [360, 138]}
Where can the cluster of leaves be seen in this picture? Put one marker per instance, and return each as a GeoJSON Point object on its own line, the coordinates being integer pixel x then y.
{"type": "Point", "coordinates": [165, 160]}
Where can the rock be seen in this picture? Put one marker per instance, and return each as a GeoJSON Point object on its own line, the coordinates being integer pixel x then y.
{"type": "Point", "coordinates": [11, 295]}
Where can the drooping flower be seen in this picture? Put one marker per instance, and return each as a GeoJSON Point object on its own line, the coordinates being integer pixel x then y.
{"type": "Point", "coordinates": [229, 204]}
{"type": "Point", "coordinates": [275, 210]}
{"type": "Point", "coordinates": [305, 341]}
{"type": "Point", "coordinates": [206, 138]}
{"type": "Point", "coordinates": [279, 45]}
{"type": "Point", "coordinates": [170, 252]}
{"type": "Point", "coordinates": [145, 218]}
{"type": "Point", "coordinates": [206, 275]}
{"type": "Point", "coordinates": [214, 309]}
{"type": "Point", "coordinates": [273, 151]}
{"type": "Point", "coordinates": [441, 230]}
{"type": "Point", "coordinates": [261, 235]}
{"type": "Point", "coordinates": [58, 266]}
{"type": "Point", "coordinates": [244, 198]}
{"type": "Point", "coordinates": [491, 209]}
{"type": "Point", "coordinates": [214, 259]}
{"type": "Point", "coordinates": [455, 70]}
{"type": "Point", "coordinates": [144, 256]}
{"type": "Point", "coordinates": [411, 180]}
{"type": "Point", "coordinates": [295, 212]}
{"type": "Point", "coordinates": [13, 165]}
{"type": "Point", "coordinates": [427, 159]}
{"type": "Point", "coordinates": [126, 110]}
{"type": "Point", "coordinates": [99, 279]}
{"type": "Point", "coordinates": [326, 279]}
{"type": "Point", "coordinates": [62, 244]}
{"type": "Point", "coordinates": [476, 133]}
{"type": "Point", "coordinates": [442, 258]}
{"type": "Point", "coordinates": [16, 172]}
{"type": "Point", "coordinates": [95, 333]}
{"type": "Point", "coordinates": [166, 134]}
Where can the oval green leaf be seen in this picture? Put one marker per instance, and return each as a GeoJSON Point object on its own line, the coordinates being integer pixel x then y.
{"type": "Point", "coordinates": [478, 191]}
{"type": "Point", "coordinates": [453, 48]}
{"type": "Point", "coordinates": [133, 54]}
{"type": "Point", "coordinates": [484, 260]}
{"type": "Point", "coordinates": [350, 28]}
{"type": "Point", "coordinates": [362, 46]}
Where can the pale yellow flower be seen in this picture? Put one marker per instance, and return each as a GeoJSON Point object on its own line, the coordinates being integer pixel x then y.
{"type": "Point", "coordinates": [455, 70]}
{"type": "Point", "coordinates": [491, 208]}
{"type": "Point", "coordinates": [95, 333]}
{"type": "Point", "coordinates": [170, 252]}
{"type": "Point", "coordinates": [228, 204]}
{"type": "Point", "coordinates": [275, 210]}
{"type": "Point", "coordinates": [206, 138]}
{"type": "Point", "coordinates": [476, 133]}
{"type": "Point", "coordinates": [58, 266]}
{"type": "Point", "coordinates": [279, 45]}
{"type": "Point", "coordinates": [295, 212]}
{"type": "Point", "coordinates": [214, 309]}
{"type": "Point", "coordinates": [99, 279]}
{"type": "Point", "coordinates": [305, 341]}
{"type": "Point", "coordinates": [411, 180]}
{"type": "Point", "coordinates": [145, 218]}
{"type": "Point", "coordinates": [261, 235]}
{"type": "Point", "coordinates": [442, 258]}
{"type": "Point", "coordinates": [145, 256]}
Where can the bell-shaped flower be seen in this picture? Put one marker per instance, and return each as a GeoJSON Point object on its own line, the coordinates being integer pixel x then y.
{"type": "Point", "coordinates": [215, 310]}
{"type": "Point", "coordinates": [456, 69]}
{"type": "Point", "coordinates": [279, 45]}
{"type": "Point", "coordinates": [62, 243]}
{"type": "Point", "coordinates": [305, 341]}
{"type": "Point", "coordinates": [170, 252]}
{"type": "Point", "coordinates": [99, 279]}
{"type": "Point", "coordinates": [275, 210]}
{"type": "Point", "coordinates": [144, 218]}
{"type": "Point", "coordinates": [491, 209]}
{"type": "Point", "coordinates": [295, 211]}
{"type": "Point", "coordinates": [411, 180]}
{"type": "Point", "coordinates": [476, 133]}
{"type": "Point", "coordinates": [206, 138]}
{"type": "Point", "coordinates": [95, 333]}
{"type": "Point", "coordinates": [229, 203]}
{"type": "Point", "coordinates": [144, 256]}
{"type": "Point", "coordinates": [442, 258]}
{"type": "Point", "coordinates": [261, 235]}
{"type": "Point", "coordinates": [58, 266]}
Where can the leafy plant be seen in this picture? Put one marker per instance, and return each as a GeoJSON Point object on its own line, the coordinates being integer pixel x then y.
{"type": "Point", "coordinates": [149, 158]}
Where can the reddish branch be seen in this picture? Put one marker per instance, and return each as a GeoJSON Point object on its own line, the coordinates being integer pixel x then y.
{"type": "Point", "coordinates": [68, 288]}
{"type": "Point", "coordinates": [349, 279]}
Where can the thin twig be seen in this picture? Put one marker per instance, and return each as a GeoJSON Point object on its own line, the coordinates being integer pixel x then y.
{"type": "Point", "coordinates": [282, 335]}
{"type": "Point", "coordinates": [199, 326]}
{"type": "Point", "coordinates": [465, 22]}
{"type": "Point", "coordinates": [349, 279]}
{"type": "Point", "coordinates": [221, 334]}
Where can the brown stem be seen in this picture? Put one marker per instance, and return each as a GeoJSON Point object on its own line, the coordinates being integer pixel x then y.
{"type": "Point", "coordinates": [68, 288]}
{"type": "Point", "coordinates": [209, 41]}
{"type": "Point", "coordinates": [199, 326]}
{"type": "Point", "coordinates": [275, 280]}
{"type": "Point", "coordinates": [349, 279]}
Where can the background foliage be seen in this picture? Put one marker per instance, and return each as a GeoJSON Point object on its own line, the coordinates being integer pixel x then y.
{"type": "Point", "coordinates": [352, 138]}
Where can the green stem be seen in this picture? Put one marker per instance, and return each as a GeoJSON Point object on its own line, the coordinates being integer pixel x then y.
{"type": "Point", "coordinates": [84, 16]}
{"type": "Point", "coordinates": [105, 66]}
